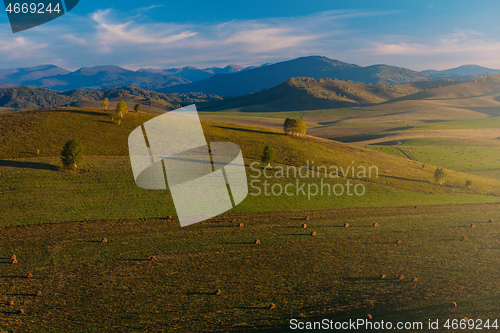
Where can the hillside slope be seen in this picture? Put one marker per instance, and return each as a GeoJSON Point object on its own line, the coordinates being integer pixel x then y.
{"type": "Point", "coordinates": [310, 94]}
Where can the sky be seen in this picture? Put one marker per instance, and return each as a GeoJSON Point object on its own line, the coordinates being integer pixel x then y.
{"type": "Point", "coordinates": [163, 34]}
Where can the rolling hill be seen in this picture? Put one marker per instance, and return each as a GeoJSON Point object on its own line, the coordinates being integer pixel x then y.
{"type": "Point", "coordinates": [310, 94]}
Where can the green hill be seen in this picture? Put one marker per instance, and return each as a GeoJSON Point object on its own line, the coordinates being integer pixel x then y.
{"type": "Point", "coordinates": [30, 143]}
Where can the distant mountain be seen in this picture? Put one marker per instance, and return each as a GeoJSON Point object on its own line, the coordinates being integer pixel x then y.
{"type": "Point", "coordinates": [19, 75]}
{"type": "Point", "coordinates": [464, 70]}
{"type": "Point", "coordinates": [195, 74]}
{"type": "Point", "coordinates": [257, 79]}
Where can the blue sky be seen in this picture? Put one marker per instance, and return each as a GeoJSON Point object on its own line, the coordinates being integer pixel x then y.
{"type": "Point", "coordinates": [164, 34]}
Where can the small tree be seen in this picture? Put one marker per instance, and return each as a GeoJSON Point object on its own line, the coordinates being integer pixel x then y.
{"type": "Point", "coordinates": [121, 109]}
{"type": "Point", "coordinates": [439, 175]}
{"type": "Point", "coordinates": [287, 125]}
{"type": "Point", "coordinates": [299, 126]}
{"type": "Point", "coordinates": [72, 154]}
{"type": "Point", "coordinates": [468, 183]}
{"type": "Point", "coordinates": [105, 103]}
{"type": "Point", "coordinates": [137, 107]}
{"type": "Point", "coordinates": [267, 155]}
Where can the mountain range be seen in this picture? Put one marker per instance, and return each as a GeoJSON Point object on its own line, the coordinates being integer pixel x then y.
{"type": "Point", "coordinates": [232, 80]}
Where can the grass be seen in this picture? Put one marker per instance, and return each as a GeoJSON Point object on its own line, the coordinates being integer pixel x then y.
{"type": "Point", "coordinates": [105, 287]}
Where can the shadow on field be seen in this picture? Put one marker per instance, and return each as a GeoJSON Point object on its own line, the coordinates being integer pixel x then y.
{"type": "Point", "coordinates": [28, 165]}
{"type": "Point", "coordinates": [249, 130]}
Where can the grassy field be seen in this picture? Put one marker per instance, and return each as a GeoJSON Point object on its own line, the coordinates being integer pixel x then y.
{"type": "Point", "coordinates": [89, 285]}
{"type": "Point", "coordinates": [54, 221]}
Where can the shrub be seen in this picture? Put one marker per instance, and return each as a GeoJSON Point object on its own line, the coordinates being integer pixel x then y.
{"type": "Point", "coordinates": [72, 154]}
{"type": "Point", "coordinates": [439, 175]}
{"type": "Point", "coordinates": [468, 183]}
{"type": "Point", "coordinates": [267, 155]}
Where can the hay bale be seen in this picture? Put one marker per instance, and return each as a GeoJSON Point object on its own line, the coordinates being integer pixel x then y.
{"type": "Point", "coordinates": [375, 225]}
{"type": "Point", "coordinates": [257, 242]}
{"type": "Point", "coordinates": [233, 221]}
{"type": "Point", "coordinates": [10, 302]}
{"type": "Point", "coordinates": [465, 319]}
{"type": "Point", "coordinates": [346, 225]}
{"type": "Point", "coordinates": [307, 218]}
{"type": "Point", "coordinates": [414, 279]}
{"type": "Point", "coordinates": [401, 277]}
{"type": "Point", "coordinates": [313, 233]}
{"type": "Point", "coordinates": [29, 276]}
{"type": "Point", "coordinates": [14, 261]}
{"type": "Point", "coordinates": [104, 240]}
{"type": "Point", "coordinates": [20, 311]}
{"type": "Point", "coordinates": [241, 225]}
{"type": "Point", "coordinates": [12, 257]}
{"type": "Point", "coordinates": [382, 276]}
{"type": "Point", "coordinates": [490, 221]}
{"type": "Point", "coordinates": [272, 306]}
{"type": "Point", "coordinates": [169, 217]}
{"type": "Point", "coordinates": [153, 258]}
{"type": "Point", "coordinates": [304, 226]}
{"type": "Point", "coordinates": [453, 305]}
{"type": "Point", "coordinates": [218, 292]}
{"type": "Point", "coordinates": [369, 317]}
{"type": "Point", "coordinates": [472, 225]}
{"type": "Point", "coordinates": [464, 239]}
{"type": "Point", "coordinates": [39, 294]}
{"type": "Point", "coordinates": [399, 242]}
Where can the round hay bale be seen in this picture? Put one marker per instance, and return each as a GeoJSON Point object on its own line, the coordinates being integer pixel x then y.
{"type": "Point", "coordinates": [369, 317]}
{"type": "Point", "coordinates": [272, 306]}
{"type": "Point", "coordinates": [169, 217]}
{"type": "Point", "coordinates": [153, 258]}
{"type": "Point", "coordinates": [12, 257]}
{"type": "Point", "coordinates": [29, 276]}
{"type": "Point", "coordinates": [472, 225]}
{"type": "Point", "coordinates": [382, 276]}
{"type": "Point", "coordinates": [10, 302]}
{"type": "Point", "coordinates": [401, 277]}
{"type": "Point", "coordinates": [414, 279]}
{"type": "Point", "coordinates": [346, 225]}
{"type": "Point", "coordinates": [218, 292]}
{"type": "Point", "coordinates": [241, 225]}
{"type": "Point", "coordinates": [453, 305]}
{"type": "Point", "coordinates": [104, 240]}
{"type": "Point", "coordinates": [20, 311]}
{"type": "Point", "coordinates": [375, 225]}
{"type": "Point", "coordinates": [464, 239]}
{"type": "Point", "coordinates": [257, 242]}
{"type": "Point", "coordinates": [307, 218]}
{"type": "Point", "coordinates": [39, 293]}
{"type": "Point", "coordinates": [14, 261]}
{"type": "Point", "coordinates": [304, 226]}
{"type": "Point", "coordinates": [313, 233]}
{"type": "Point", "coordinates": [233, 221]}
{"type": "Point", "coordinates": [490, 221]}
{"type": "Point", "coordinates": [399, 242]}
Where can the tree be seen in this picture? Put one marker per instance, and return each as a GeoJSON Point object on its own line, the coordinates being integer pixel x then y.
{"type": "Point", "coordinates": [287, 126]}
{"type": "Point", "coordinates": [294, 126]}
{"type": "Point", "coordinates": [137, 107]}
{"type": "Point", "coordinates": [267, 155]}
{"type": "Point", "coordinates": [468, 183]}
{"type": "Point", "coordinates": [121, 109]}
{"type": "Point", "coordinates": [299, 126]}
{"type": "Point", "coordinates": [72, 154]}
{"type": "Point", "coordinates": [105, 103]}
{"type": "Point", "coordinates": [439, 175]}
